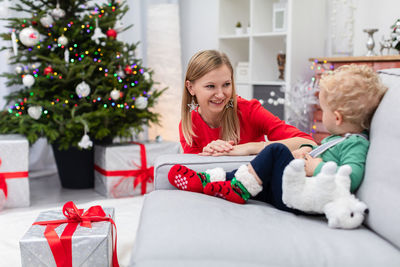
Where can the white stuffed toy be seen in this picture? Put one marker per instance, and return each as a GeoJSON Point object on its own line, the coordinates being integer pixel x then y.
{"type": "Point", "coordinates": [328, 192]}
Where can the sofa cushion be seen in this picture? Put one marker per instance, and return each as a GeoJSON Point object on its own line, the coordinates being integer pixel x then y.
{"type": "Point", "coordinates": [380, 189]}
{"type": "Point", "coordinates": [164, 163]}
{"type": "Point", "coordinates": [179, 228]}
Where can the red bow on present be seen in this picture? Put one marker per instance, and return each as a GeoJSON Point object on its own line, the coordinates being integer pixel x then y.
{"type": "Point", "coordinates": [61, 247]}
{"type": "Point", "coordinates": [143, 175]}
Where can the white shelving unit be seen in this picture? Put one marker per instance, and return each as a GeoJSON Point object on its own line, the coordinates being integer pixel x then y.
{"type": "Point", "coordinates": [303, 38]}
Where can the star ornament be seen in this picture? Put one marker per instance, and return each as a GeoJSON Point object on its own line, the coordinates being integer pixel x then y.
{"type": "Point", "coordinates": [193, 106]}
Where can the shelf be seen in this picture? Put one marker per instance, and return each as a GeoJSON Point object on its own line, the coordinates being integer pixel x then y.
{"type": "Point", "coordinates": [270, 34]}
{"type": "Point", "coordinates": [234, 36]}
{"type": "Point", "coordinates": [268, 83]}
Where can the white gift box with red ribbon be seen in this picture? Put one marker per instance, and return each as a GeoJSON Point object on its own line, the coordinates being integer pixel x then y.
{"type": "Point", "coordinates": [14, 184]}
{"type": "Point", "coordinates": [123, 170]}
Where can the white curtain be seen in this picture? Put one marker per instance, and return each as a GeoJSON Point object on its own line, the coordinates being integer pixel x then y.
{"type": "Point", "coordinates": [163, 44]}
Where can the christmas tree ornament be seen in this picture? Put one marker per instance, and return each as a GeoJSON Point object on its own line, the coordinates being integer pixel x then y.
{"type": "Point", "coordinates": [18, 69]}
{"type": "Point", "coordinates": [85, 141]}
{"type": "Point", "coordinates": [35, 112]}
{"type": "Point", "coordinates": [58, 13]}
{"type": "Point", "coordinates": [66, 56]}
{"type": "Point", "coordinates": [62, 40]}
{"type": "Point", "coordinates": [34, 22]}
{"type": "Point", "coordinates": [29, 36]}
{"type": "Point", "coordinates": [128, 69]}
{"type": "Point", "coordinates": [121, 74]}
{"type": "Point", "coordinates": [97, 33]}
{"type": "Point", "coordinates": [82, 89]}
{"type": "Point", "coordinates": [28, 80]}
{"type": "Point", "coordinates": [141, 102]}
{"type": "Point", "coordinates": [46, 20]}
{"type": "Point", "coordinates": [48, 70]}
{"type": "Point", "coordinates": [119, 26]}
{"type": "Point", "coordinates": [14, 43]}
{"type": "Point", "coordinates": [115, 94]}
{"type": "Point", "coordinates": [146, 76]}
{"type": "Point", "coordinates": [111, 33]}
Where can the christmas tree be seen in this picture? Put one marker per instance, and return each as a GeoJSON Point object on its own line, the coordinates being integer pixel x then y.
{"type": "Point", "coordinates": [77, 81]}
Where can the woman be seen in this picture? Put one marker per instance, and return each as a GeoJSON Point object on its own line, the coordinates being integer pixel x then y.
{"type": "Point", "coordinates": [215, 121]}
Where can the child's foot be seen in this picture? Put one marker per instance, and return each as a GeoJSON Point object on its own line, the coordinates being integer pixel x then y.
{"type": "Point", "coordinates": [238, 190]}
{"type": "Point", "coordinates": [186, 179]}
{"type": "Point", "coordinates": [227, 190]}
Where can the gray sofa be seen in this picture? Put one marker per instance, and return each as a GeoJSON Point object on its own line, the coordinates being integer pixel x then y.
{"type": "Point", "coordinates": [187, 229]}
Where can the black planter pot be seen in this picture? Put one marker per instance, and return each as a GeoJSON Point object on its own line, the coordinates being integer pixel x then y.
{"type": "Point", "coordinates": [75, 167]}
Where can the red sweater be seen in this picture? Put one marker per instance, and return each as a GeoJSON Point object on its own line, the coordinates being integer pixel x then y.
{"type": "Point", "coordinates": [255, 122]}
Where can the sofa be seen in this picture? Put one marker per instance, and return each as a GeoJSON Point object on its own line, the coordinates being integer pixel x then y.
{"type": "Point", "coordinates": [180, 228]}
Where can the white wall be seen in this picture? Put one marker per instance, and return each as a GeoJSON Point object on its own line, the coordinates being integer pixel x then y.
{"type": "Point", "coordinates": [199, 27]}
{"type": "Point", "coordinates": [373, 14]}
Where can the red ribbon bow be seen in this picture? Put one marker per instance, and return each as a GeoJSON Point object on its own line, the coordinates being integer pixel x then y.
{"type": "Point", "coordinates": [61, 247]}
{"type": "Point", "coordinates": [143, 175]}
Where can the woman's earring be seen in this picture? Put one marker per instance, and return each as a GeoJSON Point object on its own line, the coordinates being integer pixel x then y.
{"type": "Point", "coordinates": [193, 106]}
{"type": "Point", "coordinates": [230, 103]}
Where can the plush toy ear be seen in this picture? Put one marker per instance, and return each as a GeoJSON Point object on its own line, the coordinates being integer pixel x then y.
{"type": "Point", "coordinates": [333, 222]}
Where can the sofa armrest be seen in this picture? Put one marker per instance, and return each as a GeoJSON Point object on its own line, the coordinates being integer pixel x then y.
{"type": "Point", "coordinates": [164, 163]}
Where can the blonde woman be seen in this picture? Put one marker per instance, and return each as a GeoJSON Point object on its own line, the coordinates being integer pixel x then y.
{"type": "Point", "coordinates": [215, 121]}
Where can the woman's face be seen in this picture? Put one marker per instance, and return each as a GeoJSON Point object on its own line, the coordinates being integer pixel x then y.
{"type": "Point", "coordinates": [213, 90]}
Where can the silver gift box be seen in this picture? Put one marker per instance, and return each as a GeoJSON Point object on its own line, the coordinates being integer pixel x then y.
{"type": "Point", "coordinates": [14, 152]}
{"type": "Point", "coordinates": [90, 246]}
{"type": "Point", "coordinates": [121, 157]}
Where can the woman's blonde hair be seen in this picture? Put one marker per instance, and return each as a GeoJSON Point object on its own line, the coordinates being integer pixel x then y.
{"type": "Point", "coordinates": [355, 91]}
{"type": "Point", "coordinates": [199, 65]}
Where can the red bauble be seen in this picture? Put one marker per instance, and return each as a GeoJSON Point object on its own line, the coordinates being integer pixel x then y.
{"type": "Point", "coordinates": [111, 33]}
{"type": "Point", "coordinates": [34, 22]}
{"type": "Point", "coordinates": [128, 69]}
{"type": "Point", "coordinates": [48, 70]}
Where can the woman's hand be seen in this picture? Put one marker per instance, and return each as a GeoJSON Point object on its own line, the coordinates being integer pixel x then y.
{"type": "Point", "coordinates": [311, 164]}
{"type": "Point", "coordinates": [301, 152]}
{"type": "Point", "coordinates": [238, 150]}
{"type": "Point", "coordinates": [217, 146]}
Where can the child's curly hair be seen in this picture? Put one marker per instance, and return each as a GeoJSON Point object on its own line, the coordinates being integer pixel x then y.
{"type": "Point", "coordinates": [355, 91]}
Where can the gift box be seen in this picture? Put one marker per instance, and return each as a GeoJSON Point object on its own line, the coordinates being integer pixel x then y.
{"type": "Point", "coordinates": [69, 238]}
{"type": "Point", "coordinates": [123, 170]}
{"type": "Point", "coordinates": [14, 184]}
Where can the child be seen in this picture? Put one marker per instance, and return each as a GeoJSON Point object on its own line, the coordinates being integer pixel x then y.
{"type": "Point", "coordinates": [348, 99]}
